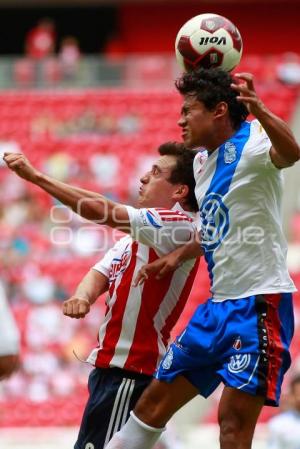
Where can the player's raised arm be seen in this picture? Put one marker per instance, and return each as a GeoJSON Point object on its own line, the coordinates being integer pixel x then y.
{"type": "Point", "coordinates": [285, 150]}
{"type": "Point", "coordinates": [89, 205]}
{"type": "Point", "coordinates": [89, 289]}
{"type": "Point", "coordinates": [168, 263]}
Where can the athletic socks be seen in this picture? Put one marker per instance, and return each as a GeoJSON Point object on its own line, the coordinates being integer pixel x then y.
{"type": "Point", "coordinates": [135, 435]}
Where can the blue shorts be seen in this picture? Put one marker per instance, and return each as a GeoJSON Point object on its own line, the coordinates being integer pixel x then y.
{"type": "Point", "coordinates": [243, 343]}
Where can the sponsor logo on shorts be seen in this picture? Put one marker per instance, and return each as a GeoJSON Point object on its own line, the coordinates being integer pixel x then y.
{"type": "Point", "coordinates": [237, 345]}
{"type": "Point", "coordinates": [239, 363]}
{"type": "Point", "coordinates": [89, 446]}
{"type": "Point", "coordinates": [167, 361]}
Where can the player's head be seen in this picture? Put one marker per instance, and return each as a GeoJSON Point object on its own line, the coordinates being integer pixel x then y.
{"type": "Point", "coordinates": [170, 180]}
{"type": "Point", "coordinates": [210, 109]}
{"type": "Point", "coordinates": [295, 392]}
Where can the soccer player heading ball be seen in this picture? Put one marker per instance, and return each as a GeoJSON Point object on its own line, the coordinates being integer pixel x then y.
{"type": "Point", "coordinates": [240, 337]}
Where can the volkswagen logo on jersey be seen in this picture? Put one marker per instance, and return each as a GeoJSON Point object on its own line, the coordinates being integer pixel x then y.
{"type": "Point", "coordinates": [239, 363]}
{"type": "Point", "coordinates": [89, 446]}
{"type": "Point", "coordinates": [167, 361]}
{"type": "Point", "coordinates": [214, 220]}
{"type": "Point", "coordinates": [229, 153]}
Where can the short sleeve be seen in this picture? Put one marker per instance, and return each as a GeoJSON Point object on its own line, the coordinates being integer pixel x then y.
{"type": "Point", "coordinates": [162, 229]}
{"type": "Point", "coordinates": [104, 265]}
{"type": "Point", "coordinates": [259, 146]}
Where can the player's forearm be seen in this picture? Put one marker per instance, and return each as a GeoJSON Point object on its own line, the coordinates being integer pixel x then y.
{"type": "Point", "coordinates": [281, 136]}
{"type": "Point", "coordinates": [91, 286]}
{"type": "Point", "coordinates": [89, 205]}
{"type": "Point", "coordinates": [191, 250]}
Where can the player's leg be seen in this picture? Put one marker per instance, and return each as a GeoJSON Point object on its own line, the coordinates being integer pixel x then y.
{"type": "Point", "coordinates": [256, 360]}
{"type": "Point", "coordinates": [183, 373]}
{"type": "Point", "coordinates": [113, 393]}
{"type": "Point", "coordinates": [161, 400]}
{"type": "Point", "coordinates": [237, 415]}
{"type": "Point", "coordinates": [155, 407]}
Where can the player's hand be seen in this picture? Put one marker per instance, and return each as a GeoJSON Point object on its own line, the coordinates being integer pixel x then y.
{"type": "Point", "coordinates": [159, 268]}
{"type": "Point", "coordinates": [8, 365]}
{"type": "Point", "coordinates": [18, 163]}
{"type": "Point", "coordinates": [247, 93]}
{"type": "Point", "coordinates": [76, 307]}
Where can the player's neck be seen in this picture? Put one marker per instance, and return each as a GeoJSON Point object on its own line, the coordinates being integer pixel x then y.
{"type": "Point", "coordinates": [184, 206]}
{"type": "Point", "coordinates": [220, 136]}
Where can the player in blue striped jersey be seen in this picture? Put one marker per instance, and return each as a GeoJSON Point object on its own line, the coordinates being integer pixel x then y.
{"type": "Point", "coordinates": [240, 337]}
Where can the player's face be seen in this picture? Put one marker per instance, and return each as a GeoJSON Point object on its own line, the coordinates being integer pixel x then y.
{"type": "Point", "coordinates": [156, 190]}
{"type": "Point", "coordinates": [196, 122]}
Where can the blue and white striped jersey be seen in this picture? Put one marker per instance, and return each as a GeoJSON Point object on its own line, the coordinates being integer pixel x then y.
{"type": "Point", "coordinates": [239, 192]}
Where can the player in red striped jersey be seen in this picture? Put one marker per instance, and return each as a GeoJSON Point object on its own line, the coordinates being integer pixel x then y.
{"type": "Point", "coordinates": [138, 320]}
{"type": "Point", "coordinates": [9, 342]}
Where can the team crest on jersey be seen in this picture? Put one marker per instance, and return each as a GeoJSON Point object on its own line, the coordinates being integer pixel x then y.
{"type": "Point", "coordinates": [237, 345]}
{"type": "Point", "coordinates": [119, 265]}
{"type": "Point", "coordinates": [89, 446]}
{"type": "Point", "coordinates": [239, 363]}
{"type": "Point", "coordinates": [229, 153]}
{"type": "Point", "coordinates": [167, 361]}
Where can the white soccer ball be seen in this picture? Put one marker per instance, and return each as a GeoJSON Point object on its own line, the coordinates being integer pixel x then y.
{"type": "Point", "coordinates": [208, 40]}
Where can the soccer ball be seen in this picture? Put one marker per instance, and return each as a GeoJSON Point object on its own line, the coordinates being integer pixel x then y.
{"type": "Point", "coordinates": [208, 40]}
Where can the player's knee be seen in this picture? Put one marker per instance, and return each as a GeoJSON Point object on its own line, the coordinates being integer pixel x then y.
{"type": "Point", "coordinates": [150, 408]}
{"type": "Point", "coordinates": [228, 433]}
{"type": "Point", "coordinates": [8, 365]}
{"type": "Point", "coordinates": [232, 434]}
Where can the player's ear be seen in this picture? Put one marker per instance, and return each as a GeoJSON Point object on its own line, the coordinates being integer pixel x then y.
{"type": "Point", "coordinates": [181, 192]}
{"type": "Point", "coordinates": [221, 109]}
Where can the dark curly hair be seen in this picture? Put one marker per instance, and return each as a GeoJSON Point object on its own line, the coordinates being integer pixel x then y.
{"type": "Point", "coordinates": [183, 172]}
{"type": "Point", "coordinates": [211, 86]}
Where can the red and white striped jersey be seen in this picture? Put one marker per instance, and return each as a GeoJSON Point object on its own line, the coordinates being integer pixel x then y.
{"type": "Point", "coordinates": [138, 320]}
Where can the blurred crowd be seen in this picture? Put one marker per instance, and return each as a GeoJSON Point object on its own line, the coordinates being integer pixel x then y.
{"type": "Point", "coordinates": [39, 270]}
{"type": "Point", "coordinates": [45, 249]}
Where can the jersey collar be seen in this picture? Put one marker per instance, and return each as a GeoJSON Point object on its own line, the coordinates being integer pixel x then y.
{"type": "Point", "coordinates": [190, 214]}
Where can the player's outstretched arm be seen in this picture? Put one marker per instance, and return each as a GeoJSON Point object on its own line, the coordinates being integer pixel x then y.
{"type": "Point", "coordinates": [8, 365]}
{"type": "Point", "coordinates": [285, 150]}
{"type": "Point", "coordinates": [166, 264]}
{"type": "Point", "coordinates": [89, 205]}
{"type": "Point", "coordinates": [90, 288]}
